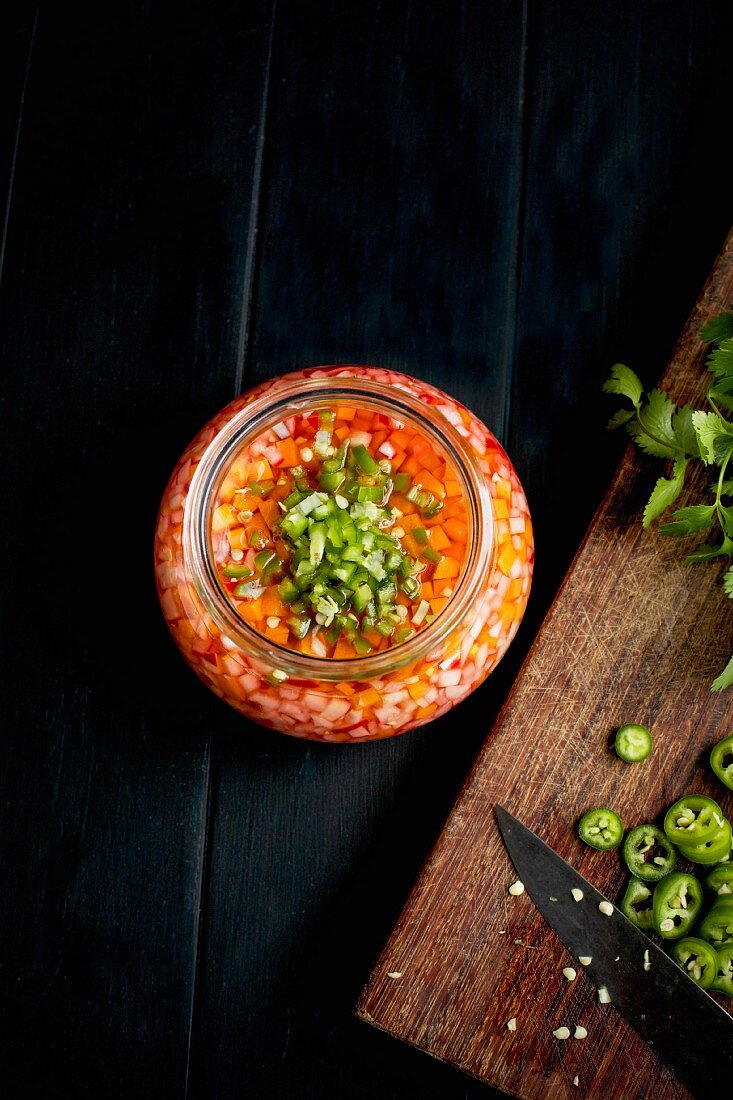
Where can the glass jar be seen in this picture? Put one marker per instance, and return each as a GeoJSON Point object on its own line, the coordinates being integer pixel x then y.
{"type": "Point", "coordinates": [386, 692]}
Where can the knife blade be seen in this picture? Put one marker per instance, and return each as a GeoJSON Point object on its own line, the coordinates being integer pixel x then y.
{"type": "Point", "coordinates": [685, 1027]}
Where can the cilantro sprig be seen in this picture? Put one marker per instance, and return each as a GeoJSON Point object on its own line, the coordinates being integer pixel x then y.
{"type": "Point", "coordinates": [684, 436]}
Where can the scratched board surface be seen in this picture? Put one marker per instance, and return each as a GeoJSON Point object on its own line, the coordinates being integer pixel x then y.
{"type": "Point", "coordinates": [633, 635]}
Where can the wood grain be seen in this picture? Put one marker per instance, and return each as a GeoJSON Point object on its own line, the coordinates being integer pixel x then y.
{"type": "Point", "coordinates": [121, 297]}
{"type": "Point", "coordinates": [633, 635]}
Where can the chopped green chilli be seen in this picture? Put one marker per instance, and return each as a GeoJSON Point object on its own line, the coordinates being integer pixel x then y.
{"type": "Point", "coordinates": [692, 820]}
{"type": "Point", "coordinates": [717, 927]}
{"type": "Point", "coordinates": [721, 761]}
{"type": "Point", "coordinates": [633, 743]}
{"type": "Point", "coordinates": [601, 828]}
{"type": "Point", "coordinates": [724, 975]}
{"type": "Point", "coordinates": [712, 850]}
{"type": "Point", "coordinates": [676, 905]}
{"type": "Point", "coordinates": [636, 904]}
{"type": "Point", "coordinates": [720, 880]}
{"type": "Point", "coordinates": [698, 959]}
{"type": "Point", "coordinates": [648, 853]}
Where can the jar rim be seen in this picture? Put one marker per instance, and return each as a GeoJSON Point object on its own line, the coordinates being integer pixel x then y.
{"type": "Point", "coordinates": [266, 409]}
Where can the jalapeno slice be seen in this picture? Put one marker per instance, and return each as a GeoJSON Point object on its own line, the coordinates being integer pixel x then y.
{"type": "Point", "coordinates": [636, 904]}
{"type": "Point", "coordinates": [648, 853]}
{"type": "Point", "coordinates": [633, 743]}
{"type": "Point", "coordinates": [698, 959]}
{"type": "Point", "coordinates": [720, 881]}
{"type": "Point", "coordinates": [677, 902]}
{"type": "Point", "coordinates": [692, 819]}
{"type": "Point", "coordinates": [712, 850]}
{"type": "Point", "coordinates": [721, 761]}
{"type": "Point", "coordinates": [717, 927]}
{"type": "Point", "coordinates": [601, 828]}
{"type": "Point", "coordinates": [724, 977]}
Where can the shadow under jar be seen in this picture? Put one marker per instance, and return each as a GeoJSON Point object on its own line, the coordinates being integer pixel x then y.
{"type": "Point", "coordinates": [452, 608]}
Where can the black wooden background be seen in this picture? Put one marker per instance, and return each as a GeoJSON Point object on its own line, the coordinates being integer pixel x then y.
{"type": "Point", "coordinates": [500, 197]}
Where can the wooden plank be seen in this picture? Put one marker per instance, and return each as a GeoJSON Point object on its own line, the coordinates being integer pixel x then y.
{"type": "Point", "coordinates": [632, 635]}
{"type": "Point", "coordinates": [120, 308]}
{"type": "Point", "coordinates": [621, 226]}
{"type": "Point", "coordinates": [392, 162]}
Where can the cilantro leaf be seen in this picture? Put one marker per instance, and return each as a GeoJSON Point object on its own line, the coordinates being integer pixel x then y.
{"type": "Point", "coordinates": [718, 328]}
{"type": "Point", "coordinates": [705, 552]}
{"type": "Point", "coordinates": [720, 360]}
{"type": "Point", "coordinates": [623, 416]}
{"type": "Point", "coordinates": [714, 434]}
{"type": "Point", "coordinates": [653, 430]}
{"type": "Point", "coordinates": [725, 679]}
{"type": "Point", "coordinates": [684, 431]}
{"type": "Point", "coordinates": [688, 521]}
{"type": "Point", "coordinates": [665, 492]}
{"type": "Point", "coordinates": [625, 383]}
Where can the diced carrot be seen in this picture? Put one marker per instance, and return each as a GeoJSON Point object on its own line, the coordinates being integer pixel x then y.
{"type": "Point", "coordinates": [227, 489]}
{"type": "Point", "coordinates": [514, 591]}
{"type": "Point", "coordinates": [445, 569]}
{"type": "Point", "coordinates": [270, 512]}
{"type": "Point", "coordinates": [501, 508]}
{"type": "Point", "coordinates": [438, 538]}
{"type": "Point", "coordinates": [344, 650]}
{"type": "Point", "coordinates": [373, 637]}
{"type": "Point", "coordinates": [505, 558]}
{"type": "Point", "coordinates": [401, 438]}
{"type": "Point", "coordinates": [397, 461]}
{"type": "Point", "coordinates": [257, 470]}
{"type": "Point", "coordinates": [426, 590]}
{"type": "Point", "coordinates": [410, 466]}
{"type": "Point", "coordinates": [278, 634]}
{"type": "Point", "coordinates": [368, 698]}
{"type": "Point", "coordinates": [361, 424]}
{"type": "Point", "coordinates": [437, 604]}
{"type": "Point", "coordinates": [251, 610]}
{"type": "Point", "coordinates": [417, 690]}
{"type": "Point", "coordinates": [343, 412]}
{"type": "Point", "coordinates": [503, 488]}
{"type": "Point", "coordinates": [342, 432]}
{"type": "Point", "coordinates": [429, 482]}
{"type": "Point", "coordinates": [224, 516]}
{"type": "Point", "coordinates": [289, 452]}
{"type": "Point", "coordinates": [452, 488]}
{"type": "Point", "coordinates": [457, 531]}
{"type": "Point", "coordinates": [456, 550]}
{"type": "Point", "coordinates": [377, 440]}
{"type": "Point", "coordinates": [410, 521]}
{"type": "Point", "coordinates": [238, 539]}
{"type": "Point", "coordinates": [345, 688]}
{"type": "Point", "coordinates": [272, 604]}
{"type": "Point", "coordinates": [423, 712]}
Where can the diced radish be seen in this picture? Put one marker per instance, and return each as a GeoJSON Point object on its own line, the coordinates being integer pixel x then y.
{"type": "Point", "coordinates": [361, 438]}
{"type": "Point", "coordinates": [335, 709]}
{"type": "Point", "coordinates": [451, 414]}
{"type": "Point", "coordinates": [281, 430]}
{"type": "Point", "coordinates": [449, 677]}
{"type": "Point", "coordinates": [273, 456]}
{"type": "Point", "coordinates": [387, 449]}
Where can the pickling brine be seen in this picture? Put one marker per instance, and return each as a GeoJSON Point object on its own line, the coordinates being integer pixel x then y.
{"type": "Point", "coordinates": [344, 553]}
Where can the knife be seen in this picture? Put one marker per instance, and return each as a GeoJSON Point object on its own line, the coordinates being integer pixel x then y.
{"type": "Point", "coordinates": [685, 1027]}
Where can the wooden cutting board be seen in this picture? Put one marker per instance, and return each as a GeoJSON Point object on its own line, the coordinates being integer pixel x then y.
{"type": "Point", "coordinates": [634, 635]}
